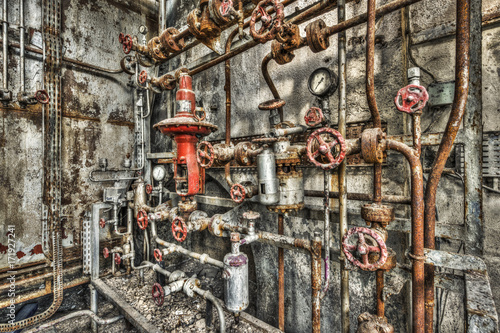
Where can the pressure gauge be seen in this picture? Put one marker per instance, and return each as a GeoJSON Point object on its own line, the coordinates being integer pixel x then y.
{"type": "Point", "coordinates": [159, 173]}
{"type": "Point", "coordinates": [322, 82]}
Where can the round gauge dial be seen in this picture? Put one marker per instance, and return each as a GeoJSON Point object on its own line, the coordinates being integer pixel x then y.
{"type": "Point", "coordinates": [322, 82]}
{"type": "Point", "coordinates": [159, 173]}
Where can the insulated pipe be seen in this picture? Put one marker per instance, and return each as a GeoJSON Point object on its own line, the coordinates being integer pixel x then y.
{"type": "Point", "coordinates": [76, 314]}
{"type": "Point", "coordinates": [462, 64]}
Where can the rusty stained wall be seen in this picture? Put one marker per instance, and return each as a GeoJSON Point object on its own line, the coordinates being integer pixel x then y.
{"type": "Point", "coordinates": [98, 122]}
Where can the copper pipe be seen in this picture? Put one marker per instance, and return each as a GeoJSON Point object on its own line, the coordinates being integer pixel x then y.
{"type": "Point", "coordinates": [316, 283]}
{"type": "Point", "coordinates": [462, 63]}
{"type": "Point", "coordinates": [380, 293]}
{"type": "Point", "coordinates": [281, 278]}
{"type": "Point", "coordinates": [269, 81]}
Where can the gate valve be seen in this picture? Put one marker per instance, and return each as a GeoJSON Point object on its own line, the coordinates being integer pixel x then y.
{"type": "Point", "coordinates": [105, 252]}
{"type": "Point", "coordinates": [314, 116]}
{"type": "Point", "coordinates": [413, 98]}
{"type": "Point", "coordinates": [238, 193]}
{"type": "Point", "coordinates": [158, 255]}
{"type": "Point", "coordinates": [158, 294]}
{"type": "Point", "coordinates": [42, 96]}
{"type": "Point", "coordinates": [126, 41]}
{"type": "Point", "coordinates": [364, 249]}
{"type": "Point", "coordinates": [149, 188]}
{"type": "Point", "coordinates": [270, 26]}
{"type": "Point", "coordinates": [102, 223]}
{"type": "Point", "coordinates": [143, 77]}
{"type": "Point", "coordinates": [118, 259]}
{"type": "Point", "coordinates": [205, 154]}
{"type": "Point", "coordinates": [142, 219]}
{"type": "Point", "coordinates": [337, 145]}
{"type": "Point", "coordinates": [179, 229]}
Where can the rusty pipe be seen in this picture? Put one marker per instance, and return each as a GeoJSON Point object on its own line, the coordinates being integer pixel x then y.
{"type": "Point", "coordinates": [281, 278]}
{"type": "Point", "coordinates": [316, 283]}
{"type": "Point", "coordinates": [380, 293]}
{"type": "Point", "coordinates": [462, 64]}
{"type": "Point", "coordinates": [269, 81]}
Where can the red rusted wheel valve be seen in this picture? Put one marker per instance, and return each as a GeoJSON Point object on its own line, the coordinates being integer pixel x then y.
{"type": "Point", "coordinates": [126, 41]}
{"type": "Point", "coordinates": [42, 96]}
{"type": "Point", "coordinates": [314, 116]}
{"type": "Point", "coordinates": [158, 294]}
{"type": "Point", "coordinates": [364, 249]}
{"type": "Point", "coordinates": [238, 193]}
{"type": "Point", "coordinates": [205, 154]}
{"type": "Point", "coordinates": [142, 219]}
{"type": "Point", "coordinates": [179, 229]}
{"type": "Point", "coordinates": [143, 76]}
{"type": "Point", "coordinates": [157, 254]}
{"type": "Point", "coordinates": [149, 189]}
{"type": "Point", "coordinates": [226, 8]}
{"type": "Point", "coordinates": [102, 223]}
{"type": "Point", "coordinates": [118, 259]}
{"type": "Point", "coordinates": [413, 98]}
{"type": "Point", "coordinates": [334, 150]}
{"type": "Point", "coordinates": [270, 26]}
{"type": "Point", "coordinates": [105, 252]}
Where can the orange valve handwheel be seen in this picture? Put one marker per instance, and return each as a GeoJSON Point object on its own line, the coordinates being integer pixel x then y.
{"type": "Point", "coordinates": [238, 193]}
{"type": "Point", "coordinates": [102, 223]}
{"type": "Point", "coordinates": [143, 77]}
{"type": "Point", "coordinates": [205, 154]}
{"type": "Point", "coordinates": [149, 189]}
{"type": "Point", "coordinates": [118, 259]}
{"type": "Point", "coordinates": [179, 229]}
{"type": "Point", "coordinates": [158, 294]}
{"type": "Point", "coordinates": [142, 219]}
{"type": "Point", "coordinates": [321, 148]}
{"type": "Point", "coordinates": [158, 255]}
{"type": "Point", "coordinates": [105, 252]}
{"type": "Point", "coordinates": [126, 41]}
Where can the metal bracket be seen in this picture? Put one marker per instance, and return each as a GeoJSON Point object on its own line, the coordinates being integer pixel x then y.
{"type": "Point", "coordinates": [86, 243]}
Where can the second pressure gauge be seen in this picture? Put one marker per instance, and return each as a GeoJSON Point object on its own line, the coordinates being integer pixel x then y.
{"type": "Point", "coordinates": [159, 173]}
{"type": "Point", "coordinates": [322, 82]}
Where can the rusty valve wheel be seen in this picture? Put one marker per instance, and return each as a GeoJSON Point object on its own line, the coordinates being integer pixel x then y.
{"type": "Point", "coordinates": [143, 77]}
{"type": "Point", "coordinates": [149, 189]}
{"type": "Point", "coordinates": [126, 41]}
{"type": "Point", "coordinates": [142, 219]}
{"type": "Point", "coordinates": [105, 252]}
{"type": "Point", "coordinates": [337, 145]}
{"type": "Point", "coordinates": [157, 254]}
{"type": "Point", "coordinates": [413, 98]}
{"type": "Point", "coordinates": [42, 96]}
{"type": "Point", "coordinates": [238, 193]}
{"type": "Point", "coordinates": [314, 116]}
{"type": "Point", "coordinates": [270, 26]}
{"type": "Point", "coordinates": [226, 8]}
{"type": "Point", "coordinates": [179, 229]}
{"type": "Point", "coordinates": [118, 259]}
{"type": "Point", "coordinates": [102, 223]}
{"type": "Point", "coordinates": [272, 104]}
{"type": "Point", "coordinates": [158, 294]}
{"type": "Point", "coordinates": [364, 249]}
{"type": "Point", "coordinates": [205, 154]}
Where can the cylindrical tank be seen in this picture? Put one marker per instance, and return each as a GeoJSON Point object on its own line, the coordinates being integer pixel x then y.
{"type": "Point", "coordinates": [236, 276]}
{"type": "Point", "coordinates": [268, 182]}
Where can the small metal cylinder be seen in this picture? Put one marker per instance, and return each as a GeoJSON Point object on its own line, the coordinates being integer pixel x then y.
{"type": "Point", "coordinates": [268, 182]}
{"type": "Point", "coordinates": [236, 284]}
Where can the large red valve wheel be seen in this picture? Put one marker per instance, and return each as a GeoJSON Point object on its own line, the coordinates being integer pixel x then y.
{"type": "Point", "coordinates": [314, 116]}
{"type": "Point", "coordinates": [118, 259]}
{"type": "Point", "coordinates": [102, 223]}
{"type": "Point", "coordinates": [205, 154]}
{"type": "Point", "coordinates": [105, 252]}
{"type": "Point", "coordinates": [158, 255]}
{"type": "Point", "coordinates": [413, 98]}
{"type": "Point", "coordinates": [143, 77]}
{"type": "Point", "coordinates": [238, 193]}
{"type": "Point", "coordinates": [334, 150]}
{"type": "Point", "coordinates": [270, 26]}
{"type": "Point", "coordinates": [149, 188]}
{"type": "Point", "coordinates": [158, 294]}
{"type": "Point", "coordinates": [226, 8]}
{"type": "Point", "coordinates": [42, 96]}
{"type": "Point", "coordinates": [179, 229]}
{"type": "Point", "coordinates": [363, 249]}
{"type": "Point", "coordinates": [142, 219]}
{"type": "Point", "coordinates": [126, 41]}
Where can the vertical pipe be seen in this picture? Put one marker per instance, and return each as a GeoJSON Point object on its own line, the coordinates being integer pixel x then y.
{"type": "Point", "coordinates": [380, 293]}
{"type": "Point", "coordinates": [281, 278]}
{"type": "Point", "coordinates": [316, 282]}
{"type": "Point", "coordinates": [326, 232]}
{"type": "Point", "coordinates": [344, 283]}
{"type": "Point", "coordinates": [162, 17]}
{"type": "Point", "coordinates": [5, 41]}
{"type": "Point", "coordinates": [21, 44]}
{"type": "Point", "coordinates": [94, 296]}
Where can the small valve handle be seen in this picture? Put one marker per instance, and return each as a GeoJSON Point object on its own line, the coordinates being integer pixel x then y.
{"type": "Point", "coordinates": [42, 96]}
{"type": "Point", "coordinates": [413, 98]}
{"type": "Point", "coordinates": [323, 148]}
{"type": "Point", "coordinates": [364, 249]}
{"type": "Point", "coordinates": [314, 116]}
{"type": "Point", "coordinates": [272, 104]}
{"type": "Point", "coordinates": [270, 26]}
{"type": "Point", "coordinates": [226, 8]}
{"type": "Point", "coordinates": [102, 223]}
{"type": "Point", "coordinates": [118, 259]}
{"type": "Point", "coordinates": [200, 110]}
{"type": "Point", "coordinates": [158, 294]}
{"type": "Point", "coordinates": [158, 255]}
{"type": "Point", "coordinates": [205, 154]}
{"type": "Point", "coordinates": [149, 188]}
{"type": "Point", "coordinates": [179, 229]}
{"type": "Point", "coordinates": [105, 252]}
{"type": "Point", "coordinates": [126, 41]}
{"type": "Point", "coordinates": [238, 193]}
{"type": "Point", "coordinates": [142, 219]}
{"type": "Point", "coordinates": [143, 77]}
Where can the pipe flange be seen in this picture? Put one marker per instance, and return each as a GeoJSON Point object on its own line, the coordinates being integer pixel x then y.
{"type": "Point", "coordinates": [243, 153]}
{"type": "Point", "coordinates": [372, 148]}
{"type": "Point", "coordinates": [316, 40]}
{"type": "Point", "coordinates": [390, 262]}
{"type": "Point", "coordinates": [167, 39]}
{"type": "Point", "coordinates": [280, 54]}
{"type": "Point", "coordinates": [156, 50]}
{"type": "Point", "coordinates": [189, 286]}
{"type": "Point", "coordinates": [215, 227]}
{"type": "Point", "coordinates": [378, 213]}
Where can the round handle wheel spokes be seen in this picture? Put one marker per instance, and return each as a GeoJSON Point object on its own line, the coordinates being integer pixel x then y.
{"type": "Point", "coordinates": [413, 98]}
{"type": "Point", "coordinates": [42, 96]}
{"type": "Point", "coordinates": [271, 26]}
{"type": "Point", "coordinates": [157, 254]}
{"type": "Point", "coordinates": [363, 249]}
{"type": "Point", "coordinates": [238, 193]}
{"type": "Point", "coordinates": [142, 219]}
{"type": "Point", "coordinates": [118, 259]}
{"type": "Point", "coordinates": [105, 252]}
{"type": "Point", "coordinates": [326, 143]}
{"type": "Point", "coordinates": [205, 154]}
{"type": "Point", "coordinates": [226, 8]}
{"type": "Point", "coordinates": [272, 104]}
{"type": "Point", "coordinates": [158, 294]}
{"type": "Point", "coordinates": [179, 229]}
{"type": "Point", "coordinates": [126, 41]}
{"type": "Point", "coordinates": [102, 223]}
{"type": "Point", "coordinates": [314, 116]}
{"type": "Point", "coordinates": [149, 189]}
{"type": "Point", "coordinates": [143, 77]}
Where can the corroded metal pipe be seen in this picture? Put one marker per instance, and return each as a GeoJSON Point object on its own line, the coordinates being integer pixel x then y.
{"type": "Point", "coordinates": [269, 81]}
{"type": "Point", "coordinates": [281, 278]}
{"type": "Point", "coordinates": [316, 283]}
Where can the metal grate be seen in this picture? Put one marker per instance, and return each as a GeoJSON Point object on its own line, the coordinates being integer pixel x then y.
{"type": "Point", "coordinates": [491, 156]}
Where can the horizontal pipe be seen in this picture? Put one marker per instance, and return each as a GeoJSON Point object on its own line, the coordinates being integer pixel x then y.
{"type": "Point", "coordinates": [398, 199]}
{"type": "Point", "coordinates": [76, 314]}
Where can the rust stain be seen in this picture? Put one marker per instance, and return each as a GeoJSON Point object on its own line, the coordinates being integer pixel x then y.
{"type": "Point", "coordinates": [3, 249]}
{"type": "Point", "coordinates": [36, 250]}
{"type": "Point", "coordinates": [20, 254]}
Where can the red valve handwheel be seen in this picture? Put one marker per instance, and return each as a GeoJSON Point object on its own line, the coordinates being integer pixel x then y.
{"type": "Point", "coordinates": [157, 254]}
{"type": "Point", "coordinates": [126, 41]}
{"type": "Point", "coordinates": [364, 249]}
{"type": "Point", "coordinates": [118, 259]}
{"type": "Point", "coordinates": [205, 154]}
{"type": "Point", "coordinates": [142, 219]}
{"type": "Point", "coordinates": [314, 116]}
{"type": "Point", "coordinates": [179, 229]}
{"type": "Point", "coordinates": [413, 98]}
{"type": "Point", "coordinates": [42, 96]}
{"type": "Point", "coordinates": [102, 223]}
{"type": "Point", "coordinates": [325, 148]}
{"type": "Point", "coordinates": [149, 189]}
{"type": "Point", "coordinates": [225, 8]}
{"type": "Point", "coordinates": [143, 76]}
{"type": "Point", "coordinates": [238, 193]}
{"type": "Point", "coordinates": [158, 294]}
{"type": "Point", "coordinates": [270, 26]}
{"type": "Point", "coordinates": [105, 252]}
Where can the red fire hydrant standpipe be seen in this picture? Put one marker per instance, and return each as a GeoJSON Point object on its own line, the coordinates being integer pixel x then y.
{"type": "Point", "coordinates": [186, 130]}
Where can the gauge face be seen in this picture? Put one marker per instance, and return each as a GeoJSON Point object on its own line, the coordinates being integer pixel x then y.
{"type": "Point", "coordinates": [159, 173]}
{"type": "Point", "coordinates": [322, 82]}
